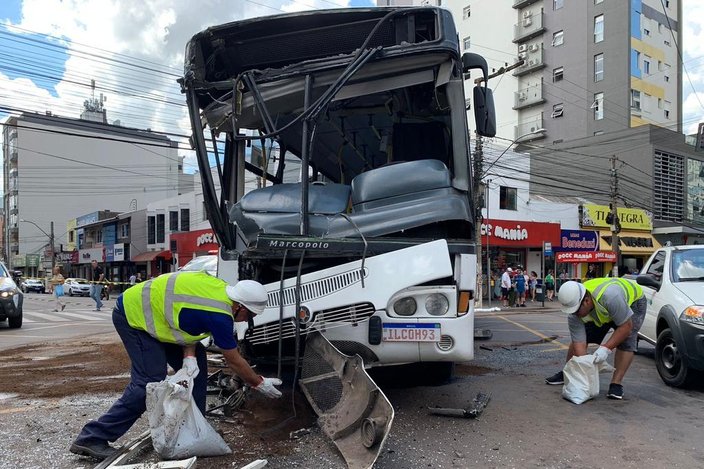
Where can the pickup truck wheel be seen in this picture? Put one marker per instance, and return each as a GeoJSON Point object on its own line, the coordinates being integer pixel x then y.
{"type": "Point", "coordinates": [669, 360]}
{"type": "Point", "coordinates": [16, 322]}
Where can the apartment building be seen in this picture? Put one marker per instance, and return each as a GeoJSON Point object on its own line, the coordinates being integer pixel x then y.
{"type": "Point", "coordinates": [586, 67]}
{"type": "Point", "coordinates": [57, 169]}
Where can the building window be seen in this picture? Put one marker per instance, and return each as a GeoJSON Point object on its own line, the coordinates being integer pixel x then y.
{"type": "Point", "coordinates": [659, 103]}
{"type": "Point", "coordinates": [507, 198]}
{"type": "Point", "coordinates": [99, 235]}
{"type": "Point", "coordinates": [160, 227]}
{"type": "Point", "coordinates": [151, 230]}
{"type": "Point", "coordinates": [558, 38]}
{"type": "Point", "coordinates": [598, 28]}
{"type": "Point", "coordinates": [667, 79]}
{"type": "Point", "coordinates": [598, 67]}
{"type": "Point", "coordinates": [596, 2]}
{"type": "Point", "coordinates": [124, 230]}
{"type": "Point", "coordinates": [557, 74]}
{"type": "Point", "coordinates": [557, 110]}
{"type": "Point", "coordinates": [598, 106]}
{"type": "Point", "coordinates": [466, 43]}
{"type": "Point", "coordinates": [71, 236]}
{"type": "Point", "coordinates": [557, 4]}
{"type": "Point", "coordinates": [667, 114]}
{"type": "Point", "coordinates": [669, 186]}
{"type": "Point", "coordinates": [666, 42]}
{"type": "Point", "coordinates": [173, 220]}
{"type": "Point", "coordinates": [646, 67]}
{"type": "Point", "coordinates": [185, 219]}
{"type": "Point", "coordinates": [646, 32]}
{"type": "Point", "coordinates": [466, 12]}
{"type": "Point", "coordinates": [635, 100]}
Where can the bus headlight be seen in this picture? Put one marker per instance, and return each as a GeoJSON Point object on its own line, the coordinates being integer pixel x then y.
{"type": "Point", "coordinates": [405, 306]}
{"type": "Point", "coordinates": [436, 304]}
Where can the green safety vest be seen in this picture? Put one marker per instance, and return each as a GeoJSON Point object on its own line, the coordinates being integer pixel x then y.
{"type": "Point", "coordinates": [154, 306]}
{"type": "Point", "coordinates": [597, 287]}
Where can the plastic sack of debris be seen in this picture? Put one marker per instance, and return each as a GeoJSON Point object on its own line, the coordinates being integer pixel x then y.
{"type": "Point", "coordinates": [582, 378]}
{"type": "Point", "coordinates": [178, 428]}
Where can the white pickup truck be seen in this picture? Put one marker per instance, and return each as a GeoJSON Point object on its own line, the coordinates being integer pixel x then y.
{"type": "Point", "coordinates": [673, 283]}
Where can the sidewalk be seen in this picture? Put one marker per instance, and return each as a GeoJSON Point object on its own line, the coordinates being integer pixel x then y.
{"type": "Point", "coordinates": [531, 307]}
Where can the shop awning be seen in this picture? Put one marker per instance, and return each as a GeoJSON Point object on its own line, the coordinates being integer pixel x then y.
{"type": "Point", "coordinates": [151, 255]}
{"type": "Point", "coordinates": [631, 242]}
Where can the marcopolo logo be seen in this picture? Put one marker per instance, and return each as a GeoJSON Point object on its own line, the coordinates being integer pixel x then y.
{"type": "Point", "coordinates": [298, 244]}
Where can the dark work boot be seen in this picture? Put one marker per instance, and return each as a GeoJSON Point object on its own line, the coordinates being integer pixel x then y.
{"type": "Point", "coordinates": [95, 449]}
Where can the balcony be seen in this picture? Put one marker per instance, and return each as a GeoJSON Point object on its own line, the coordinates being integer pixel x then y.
{"type": "Point", "coordinates": [529, 97]}
{"type": "Point", "coordinates": [532, 61]}
{"type": "Point", "coordinates": [13, 155]}
{"type": "Point", "coordinates": [527, 127]}
{"type": "Point", "coordinates": [518, 4]}
{"type": "Point", "coordinates": [531, 25]}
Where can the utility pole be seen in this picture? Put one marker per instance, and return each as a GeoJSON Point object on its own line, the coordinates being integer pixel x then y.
{"type": "Point", "coordinates": [615, 223]}
{"type": "Point", "coordinates": [478, 195]}
{"type": "Point", "coordinates": [51, 244]}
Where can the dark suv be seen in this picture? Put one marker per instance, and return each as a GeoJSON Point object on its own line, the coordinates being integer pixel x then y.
{"type": "Point", "coordinates": [10, 299]}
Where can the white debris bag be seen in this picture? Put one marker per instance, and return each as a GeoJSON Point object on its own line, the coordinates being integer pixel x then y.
{"type": "Point", "coordinates": [178, 428]}
{"type": "Point", "coordinates": [582, 378]}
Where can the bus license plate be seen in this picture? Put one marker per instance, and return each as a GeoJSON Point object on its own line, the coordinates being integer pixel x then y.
{"type": "Point", "coordinates": [411, 332]}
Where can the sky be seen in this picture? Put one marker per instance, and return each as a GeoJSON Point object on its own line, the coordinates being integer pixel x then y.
{"type": "Point", "coordinates": [133, 51]}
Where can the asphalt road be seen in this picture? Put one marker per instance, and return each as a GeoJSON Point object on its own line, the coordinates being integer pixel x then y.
{"type": "Point", "coordinates": [41, 323]}
{"type": "Point", "coordinates": [527, 424]}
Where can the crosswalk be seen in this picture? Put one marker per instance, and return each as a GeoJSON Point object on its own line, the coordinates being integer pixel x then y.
{"type": "Point", "coordinates": [68, 315]}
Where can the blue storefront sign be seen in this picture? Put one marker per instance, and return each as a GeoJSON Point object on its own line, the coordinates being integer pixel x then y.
{"type": "Point", "coordinates": [578, 240]}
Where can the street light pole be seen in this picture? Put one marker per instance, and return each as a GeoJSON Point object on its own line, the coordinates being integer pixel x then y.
{"type": "Point", "coordinates": [51, 239]}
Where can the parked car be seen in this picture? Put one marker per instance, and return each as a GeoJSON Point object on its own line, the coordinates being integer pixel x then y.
{"type": "Point", "coordinates": [673, 283]}
{"type": "Point", "coordinates": [209, 263]}
{"type": "Point", "coordinates": [76, 286]}
{"type": "Point", "coordinates": [34, 285]}
{"type": "Point", "coordinates": [11, 299]}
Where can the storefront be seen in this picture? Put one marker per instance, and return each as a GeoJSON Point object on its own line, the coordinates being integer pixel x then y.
{"type": "Point", "coordinates": [635, 240]}
{"type": "Point", "coordinates": [190, 244]}
{"type": "Point", "coordinates": [578, 249]}
{"type": "Point", "coordinates": [514, 243]}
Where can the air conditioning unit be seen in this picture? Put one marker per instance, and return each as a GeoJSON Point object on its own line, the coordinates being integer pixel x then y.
{"type": "Point", "coordinates": [532, 62]}
{"type": "Point", "coordinates": [522, 48]}
{"type": "Point", "coordinates": [522, 96]}
{"type": "Point", "coordinates": [527, 14]}
{"type": "Point", "coordinates": [527, 21]}
{"type": "Point", "coordinates": [534, 48]}
{"type": "Point", "coordinates": [522, 55]}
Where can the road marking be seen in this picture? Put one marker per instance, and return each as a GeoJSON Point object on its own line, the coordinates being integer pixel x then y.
{"type": "Point", "coordinates": [539, 334]}
{"type": "Point", "coordinates": [88, 317]}
{"type": "Point", "coordinates": [47, 317]}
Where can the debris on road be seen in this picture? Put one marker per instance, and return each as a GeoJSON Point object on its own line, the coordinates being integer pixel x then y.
{"type": "Point", "coordinates": [478, 405]}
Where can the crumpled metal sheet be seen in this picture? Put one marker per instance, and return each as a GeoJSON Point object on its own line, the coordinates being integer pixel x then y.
{"type": "Point", "coordinates": [353, 412]}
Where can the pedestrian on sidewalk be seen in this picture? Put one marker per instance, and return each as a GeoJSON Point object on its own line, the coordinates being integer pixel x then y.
{"type": "Point", "coordinates": [57, 287]}
{"type": "Point", "coordinates": [533, 283]}
{"type": "Point", "coordinates": [550, 285]}
{"type": "Point", "coordinates": [97, 285]}
{"type": "Point", "coordinates": [593, 309]}
{"type": "Point", "coordinates": [162, 321]}
{"type": "Point", "coordinates": [520, 280]}
{"type": "Point", "coordinates": [506, 286]}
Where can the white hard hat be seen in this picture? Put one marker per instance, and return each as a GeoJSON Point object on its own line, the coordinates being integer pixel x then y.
{"type": "Point", "coordinates": [250, 294]}
{"type": "Point", "coordinates": [570, 296]}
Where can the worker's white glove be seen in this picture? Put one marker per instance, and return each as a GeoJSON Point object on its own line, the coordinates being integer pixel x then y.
{"type": "Point", "coordinates": [190, 364]}
{"type": "Point", "coordinates": [601, 354]}
{"type": "Point", "coordinates": [267, 388]}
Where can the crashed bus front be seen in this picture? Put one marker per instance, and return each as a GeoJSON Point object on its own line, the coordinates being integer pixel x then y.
{"type": "Point", "coordinates": [341, 144]}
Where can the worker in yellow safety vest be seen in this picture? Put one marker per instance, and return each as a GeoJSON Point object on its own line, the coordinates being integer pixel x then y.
{"type": "Point", "coordinates": [162, 321]}
{"type": "Point", "coordinates": [594, 308]}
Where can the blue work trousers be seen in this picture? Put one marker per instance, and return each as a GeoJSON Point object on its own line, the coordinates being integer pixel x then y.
{"type": "Point", "coordinates": [149, 358]}
{"type": "Point", "coordinates": [95, 294]}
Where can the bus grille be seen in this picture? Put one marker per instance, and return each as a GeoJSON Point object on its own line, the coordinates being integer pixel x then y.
{"type": "Point", "coordinates": [322, 321]}
{"type": "Point", "coordinates": [316, 289]}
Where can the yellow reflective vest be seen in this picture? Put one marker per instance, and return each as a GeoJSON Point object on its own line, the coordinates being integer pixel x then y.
{"type": "Point", "coordinates": [154, 306]}
{"type": "Point", "coordinates": [597, 287]}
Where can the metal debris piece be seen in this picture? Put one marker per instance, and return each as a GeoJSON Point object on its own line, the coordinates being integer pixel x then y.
{"type": "Point", "coordinates": [484, 347]}
{"type": "Point", "coordinates": [353, 412]}
{"type": "Point", "coordinates": [485, 334]}
{"type": "Point", "coordinates": [296, 434]}
{"type": "Point", "coordinates": [478, 405]}
{"type": "Point", "coordinates": [259, 463]}
{"type": "Point", "coordinates": [138, 446]}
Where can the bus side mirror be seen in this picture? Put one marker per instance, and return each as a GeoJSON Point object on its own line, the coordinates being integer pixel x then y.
{"type": "Point", "coordinates": [484, 112]}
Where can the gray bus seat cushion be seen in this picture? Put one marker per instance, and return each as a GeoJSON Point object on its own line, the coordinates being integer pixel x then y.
{"type": "Point", "coordinates": [325, 199]}
{"type": "Point", "coordinates": [400, 179]}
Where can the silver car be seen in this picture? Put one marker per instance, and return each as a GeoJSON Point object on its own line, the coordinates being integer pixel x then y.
{"type": "Point", "coordinates": [76, 286]}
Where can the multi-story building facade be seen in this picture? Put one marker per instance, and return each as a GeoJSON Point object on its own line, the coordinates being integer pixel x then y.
{"type": "Point", "coordinates": [588, 67]}
{"type": "Point", "coordinates": [57, 169]}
